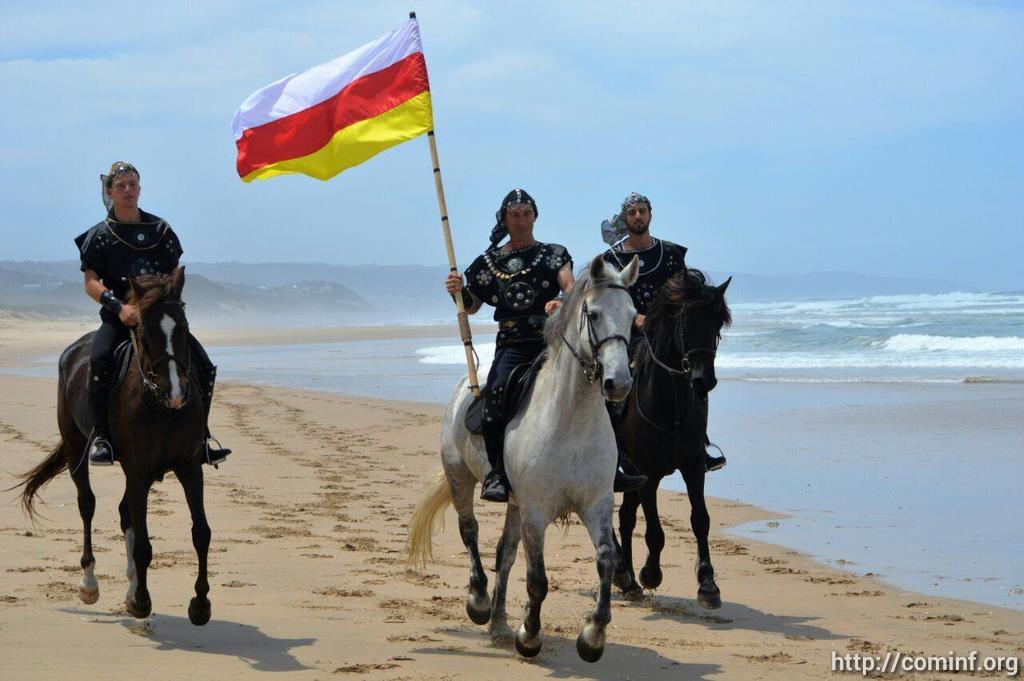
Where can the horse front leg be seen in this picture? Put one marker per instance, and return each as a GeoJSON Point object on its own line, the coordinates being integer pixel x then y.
{"type": "Point", "coordinates": [598, 519]}
{"type": "Point", "coordinates": [191, 480]}
{"type": "Point", "coordinates": [624, 577]}
{"type": "Point", "coordinates": [528, 638]}
{"type": "Point", "coordinates": [129, 546]}
{"type": "Point", "coordinates": [88, 588]}
{"type": "Point", "coordinates": [708, 594]}
{"type": "Point", "coordinates": [505, 556]}
{"type": "Point", "coordinates": [138, 603]}
{"type": "Point", "coordinates": [650, 573]}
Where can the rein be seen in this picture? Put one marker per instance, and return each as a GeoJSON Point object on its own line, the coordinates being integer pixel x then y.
{"type": "Point", "coordinates": [591, 366]}
{"type": "Point", "coordinates": [686, 367]}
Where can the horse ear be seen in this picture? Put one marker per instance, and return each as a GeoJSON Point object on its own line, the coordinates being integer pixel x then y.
{"type": "Point", "coordinates": [597, 267]}
{"type": "Point", "coordinates": [631, 272]}
{"type": "Point", "coordinates": [725, 285]}
{"type": "Point", "coordinates": [177, 282]}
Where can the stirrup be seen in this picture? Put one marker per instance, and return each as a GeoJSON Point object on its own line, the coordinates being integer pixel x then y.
{"type": "Point", "coordinates": [217, 456]}
{"type": "Point", "coordinates": [495, 488]}
{"type": "Point", "coordinates": [624, 482]}
{"type": "Point", "coordinates": [94, 450]}
{"type": "Point", "coordinates": [713, 463]}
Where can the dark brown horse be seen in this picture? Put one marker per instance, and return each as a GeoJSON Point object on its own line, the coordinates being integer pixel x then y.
{"type": "Point", "coordinates": [156, 421]}
{"type": "Point", "coordinates": [663, 425]}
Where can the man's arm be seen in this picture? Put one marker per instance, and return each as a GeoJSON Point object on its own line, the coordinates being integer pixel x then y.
{"type": "Point", "coordinates": [566, 281]}
{"type": "Point", "coordinates": [94, 288]}
{"type": "Point", "coordinates": [453, 283]}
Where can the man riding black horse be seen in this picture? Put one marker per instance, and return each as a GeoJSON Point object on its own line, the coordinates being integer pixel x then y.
{"type": "Point", "coordinates": [127, 243]}
{"type": "Point", "coordinates": [659, 260]}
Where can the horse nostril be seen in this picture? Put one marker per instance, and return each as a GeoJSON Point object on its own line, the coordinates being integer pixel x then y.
{"type": "Point", "coordinates": [609, 386]}
{"type": "Point", "coordinates": [698, 384]}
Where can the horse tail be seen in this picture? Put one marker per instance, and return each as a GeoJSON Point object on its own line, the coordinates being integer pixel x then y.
{"type": "Point", "coordinates": [44, 472]}
{"type": "Point", "coordinates": [429, 514]}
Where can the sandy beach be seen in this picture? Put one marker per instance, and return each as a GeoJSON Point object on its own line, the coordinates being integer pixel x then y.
{"type": "Point", "coordinates": [308, 575]}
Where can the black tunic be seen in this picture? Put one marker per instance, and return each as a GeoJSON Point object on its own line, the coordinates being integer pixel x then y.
{"type": "Point", "coordinates": [518, 284]}
{"type": "Point", "coordinates": [657, 264]}
{"type": "Point", "coordinates": [119, 250]}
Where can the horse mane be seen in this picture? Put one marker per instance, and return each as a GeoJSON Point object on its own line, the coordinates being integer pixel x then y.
{"type": "Point", "coordinates": [686, 291]}
{"type": "Point", "coordinates": [557, 325]}
{"type": "Point", "coordinates": [149, 289]}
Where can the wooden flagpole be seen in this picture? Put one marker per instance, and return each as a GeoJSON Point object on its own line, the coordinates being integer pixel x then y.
{"type": "Point", "coordinates": [464, 330]}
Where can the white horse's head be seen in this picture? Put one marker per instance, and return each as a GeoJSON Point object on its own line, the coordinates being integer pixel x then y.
{"type": "Point", "coordinates": [609, 318]}
{"type": "Point", "coordinates": [595, 323]}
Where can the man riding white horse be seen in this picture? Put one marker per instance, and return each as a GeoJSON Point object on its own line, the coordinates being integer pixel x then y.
{"type": "Point", "coordinates": [522, 280]}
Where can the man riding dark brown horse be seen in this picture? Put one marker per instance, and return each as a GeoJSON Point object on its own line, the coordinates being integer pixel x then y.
{"type": "Point", "coordinates": [128, 243]}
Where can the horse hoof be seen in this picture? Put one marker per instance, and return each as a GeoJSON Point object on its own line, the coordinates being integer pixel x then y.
{"type": "Point", "coordinates": [711, 600]}
{"type": "Point", "coordinates": [199, 611]}
{"type": "Point", "coordinates": [140, 610]}
{"type": "Point", "coordinates": [650, 577]}
{"type": "Point", "coordinates": [622, 580]}
{"type": "Point", "coordinates": [590, 644]}
{"type": "Point", "coordinates": [633, 593]}
{"type": "Point", "coordinates": [500, 633]}
{"type": "Point", "coordinates": [478, 608]}
{"type": "Point", "coordinates": [88, 596]}
{"type": "Point", "coordinates": [523, 647]}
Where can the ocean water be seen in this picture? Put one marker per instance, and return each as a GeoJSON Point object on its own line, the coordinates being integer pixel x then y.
{"type": "Point", "coordinates": [889, 429]}
{"type": "Point", "coordinates": [948, 338]}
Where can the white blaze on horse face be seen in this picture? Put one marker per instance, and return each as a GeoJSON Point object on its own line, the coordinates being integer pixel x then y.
{"type": "Point", "coordinates": [167, 326]}
{"type": "Point", "coordinates": [616, 317]}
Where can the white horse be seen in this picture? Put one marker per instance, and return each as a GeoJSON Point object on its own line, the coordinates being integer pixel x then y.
{"type": "Point", "coordinates": [560, 457]}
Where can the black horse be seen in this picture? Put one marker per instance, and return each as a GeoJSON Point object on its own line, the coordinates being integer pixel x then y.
{"type": "Point", "coordinates": [663, 424]}
{"type": "Point", "coordinates": [156, 422]}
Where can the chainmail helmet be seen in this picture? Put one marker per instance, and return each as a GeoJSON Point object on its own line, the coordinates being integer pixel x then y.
{"type": "Point", "coordinates": [614, 229]}
{"type": "Point", "coordinates": [107, 181]}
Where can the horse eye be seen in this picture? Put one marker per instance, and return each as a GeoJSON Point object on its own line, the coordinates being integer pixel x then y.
{"type": "Point", "coordinates": [592, 316]}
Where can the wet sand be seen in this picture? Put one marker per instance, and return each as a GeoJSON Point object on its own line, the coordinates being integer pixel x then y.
{"type": "Point", "coordinates": [308, 577]}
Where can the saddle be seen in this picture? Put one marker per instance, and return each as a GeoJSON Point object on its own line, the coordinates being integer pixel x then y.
{"type": "Point", "coordinates": [119, 361]}
{"type": "Point", "coordinates": [520, 379]}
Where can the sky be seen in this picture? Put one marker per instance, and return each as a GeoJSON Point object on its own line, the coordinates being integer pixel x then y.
{"type": "Point", "coordinates": [784, 137]}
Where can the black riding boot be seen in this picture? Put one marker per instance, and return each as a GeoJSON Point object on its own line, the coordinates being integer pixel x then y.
{"type": "Point", "coordinates": [101, 453]}
{"type": "Point", "coordinates": [214, 455]}
{"type": "Point", "coordinates": [624, 482]}
{"type": "Point", "coordinates": [495, 484]}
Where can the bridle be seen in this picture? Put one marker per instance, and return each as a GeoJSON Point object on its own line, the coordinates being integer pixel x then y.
{"type": "Point", "coordinates": [686, 363]}
{"type": "Point", "coordinates": [591, 366]}
{"type": "Point", "coordinates": [149, 375]}
{"type": "Point", "coordinates": [686, 368]}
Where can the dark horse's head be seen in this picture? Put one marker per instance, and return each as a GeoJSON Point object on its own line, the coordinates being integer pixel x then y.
{"type": "Point", "coordinates": [162, 336]}
{"type": "Point", "coordinates": [691, 313]}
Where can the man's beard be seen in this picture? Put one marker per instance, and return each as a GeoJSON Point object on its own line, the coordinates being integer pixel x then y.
{"type": "Point", "coordinates": [640, 229]}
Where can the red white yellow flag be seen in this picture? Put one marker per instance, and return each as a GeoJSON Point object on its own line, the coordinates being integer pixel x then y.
{"type": "Point", "coordinates": [339, 114]}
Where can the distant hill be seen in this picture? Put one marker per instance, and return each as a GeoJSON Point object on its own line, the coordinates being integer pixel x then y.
{"type": "Point", "coordinates": [320, 294]}
{"type": "Point", "coordinates": [304, 303]}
